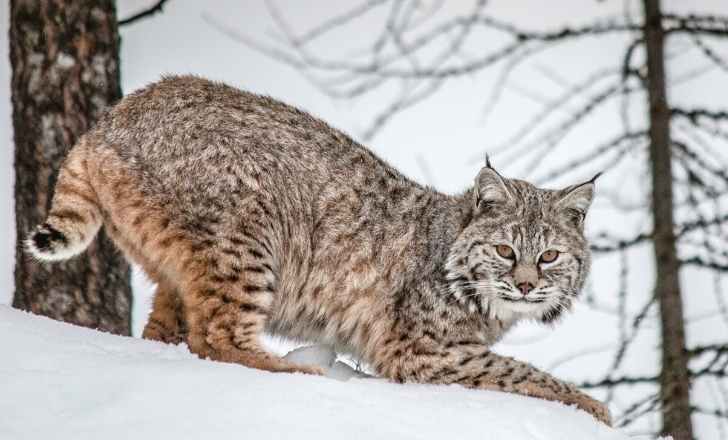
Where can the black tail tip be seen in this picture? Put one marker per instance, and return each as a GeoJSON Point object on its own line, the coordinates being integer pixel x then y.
{"type": "Point", "coordinates": [46, 237]}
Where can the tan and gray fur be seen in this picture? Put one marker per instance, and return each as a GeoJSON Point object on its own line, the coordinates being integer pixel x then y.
{"type": "Point", "coordinates": [253, 216]}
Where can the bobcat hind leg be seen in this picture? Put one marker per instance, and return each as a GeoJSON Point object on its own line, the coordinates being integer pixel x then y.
{"type": "Point", "coordinates": [227, 296]}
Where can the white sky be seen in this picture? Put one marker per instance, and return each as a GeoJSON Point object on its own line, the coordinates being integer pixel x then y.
{"type": "Point", "coordinates": [445, 132]}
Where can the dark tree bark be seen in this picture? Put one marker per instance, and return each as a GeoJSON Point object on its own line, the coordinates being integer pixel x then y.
{"type": "Point", "coordinates": [65, 71]}
{"type": "Point", "coordinates": [674, 378]}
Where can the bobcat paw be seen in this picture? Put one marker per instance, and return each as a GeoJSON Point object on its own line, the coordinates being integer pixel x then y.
{"type": "Point", "coordinates": [594, 407]}
{"type": "Point", "coordinates": [155, 331]}
{"type": "Point", "coordinates": [313, 370]}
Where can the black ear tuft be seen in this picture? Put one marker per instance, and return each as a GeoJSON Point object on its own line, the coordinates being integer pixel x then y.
{"type": "Point", "coordinates": [596, 176]}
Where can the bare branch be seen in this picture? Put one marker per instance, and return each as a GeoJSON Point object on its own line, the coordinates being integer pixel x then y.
{"type": "Point", "coordinates": [710, 53]}
{"type": "Point", "coordinates": [621, 144]}
{"type": "Point", "coordinates": [713, 25]}
{"type": "Point", "coordinates": [701, 262]}
{"type": "Point", "coordinates": [143, 14]}
{"type": "Point", "coordinates": [619, 244]}
{"type": "Point", "coordinates": [619, 381]}
{"type": "Point", "coordinates": [627, 340]}
{"type": "Point", "coordinates": [711, 412]}
{"type": "Point", "coordinates": [694, 115]}
{"type": "Point", "coordinates": [646, 405]}
{"type": "Point", "coordinates": [338, 21]}
{"type": "Point", "coordinates": [682, 229]}
{"type": "Point", "coordinates": [638, 380]}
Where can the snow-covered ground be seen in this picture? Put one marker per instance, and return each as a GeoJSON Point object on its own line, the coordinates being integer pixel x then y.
{"type": "Point", "coordinates": [59, 381]}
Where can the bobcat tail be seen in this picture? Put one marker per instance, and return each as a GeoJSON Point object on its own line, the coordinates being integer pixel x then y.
{"type": "Point", "coordinates": [74, 217]}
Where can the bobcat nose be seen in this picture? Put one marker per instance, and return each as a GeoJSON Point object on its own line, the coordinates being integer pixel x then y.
{"type": "Point", "coordinates": [525, 277]}
{"type": "Point", "coordinates": [525, 287]}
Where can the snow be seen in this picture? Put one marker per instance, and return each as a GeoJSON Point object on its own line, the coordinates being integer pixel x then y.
{"type": "Point", "coordinates": [61, 381]}
{"type": "Point", "coordinates": [324, 357]}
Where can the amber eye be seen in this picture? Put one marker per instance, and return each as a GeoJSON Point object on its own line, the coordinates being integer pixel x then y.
{"type": "Point", "coordinates": [505, 251]}
{"type": "Point", "coordinates": [549, 256]}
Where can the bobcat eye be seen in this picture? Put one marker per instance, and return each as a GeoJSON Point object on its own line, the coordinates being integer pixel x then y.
{"type": "Point", "coordinates": [549, 256]}
{"type": "Point", "coordinates": [505, 251]}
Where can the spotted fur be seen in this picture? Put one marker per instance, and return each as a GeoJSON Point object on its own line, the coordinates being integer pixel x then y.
{"type": "Point", "coordinates": [254, 216]}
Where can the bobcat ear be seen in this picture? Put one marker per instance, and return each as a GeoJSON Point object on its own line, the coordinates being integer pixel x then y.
{"type": "Point", "coordinates": [490, 187]}
{"type": "Point", "coordinates": [576, 199]}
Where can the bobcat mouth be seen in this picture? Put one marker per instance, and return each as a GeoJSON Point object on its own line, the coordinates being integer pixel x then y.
{"type": "Point", "coordinates": [522, 300]}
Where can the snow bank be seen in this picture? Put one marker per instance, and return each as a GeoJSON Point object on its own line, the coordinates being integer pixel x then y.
{"type": "Point", "coordinates": [58, 381]}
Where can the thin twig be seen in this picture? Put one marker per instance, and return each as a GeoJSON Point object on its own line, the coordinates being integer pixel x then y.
{"type": "Point", "coordinates": [143, 14]}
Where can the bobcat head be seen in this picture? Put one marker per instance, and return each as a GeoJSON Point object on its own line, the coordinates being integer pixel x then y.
{"type": "Point", "coordinates": [524, 254]}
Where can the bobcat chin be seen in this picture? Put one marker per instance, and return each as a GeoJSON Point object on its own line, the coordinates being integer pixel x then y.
{"type": "Point", "coordinates": [254, 216]}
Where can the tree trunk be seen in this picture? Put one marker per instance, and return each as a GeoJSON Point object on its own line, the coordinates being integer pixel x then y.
{"type": "Point", "coordinates": [674, 379]}
{"type": "Point", "coordinates": [65, 71]}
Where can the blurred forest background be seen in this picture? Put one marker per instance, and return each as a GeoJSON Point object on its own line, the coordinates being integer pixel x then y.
{"type": "Point", "coordinates": [554, 93]}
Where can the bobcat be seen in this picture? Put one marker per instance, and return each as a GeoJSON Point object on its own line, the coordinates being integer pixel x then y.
{"type": "Point", "coordinates": [253, 216]}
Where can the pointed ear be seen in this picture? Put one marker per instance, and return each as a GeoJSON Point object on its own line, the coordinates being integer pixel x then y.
{"type": "Point", "coordinates": [575, 200]}
{"type": "Point", "coordinates": [490, 187]}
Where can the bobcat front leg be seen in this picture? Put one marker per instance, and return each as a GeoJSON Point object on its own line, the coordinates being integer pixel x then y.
{"type": "Point", "coordinates": [166, 320]}
{"type": "Point", "coordinates": [472, 366]}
